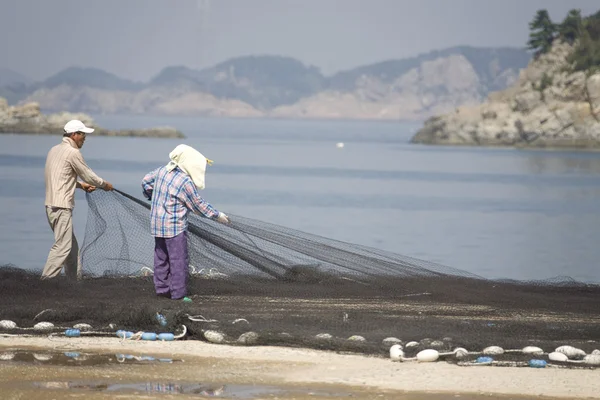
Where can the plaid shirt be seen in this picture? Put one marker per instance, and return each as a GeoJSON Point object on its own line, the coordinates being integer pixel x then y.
{"type": "Point", "coordinates": [173, 195]}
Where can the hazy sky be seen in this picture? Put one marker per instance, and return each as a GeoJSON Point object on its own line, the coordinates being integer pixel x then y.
{"type": "Point", "coordinates": [136, 38]}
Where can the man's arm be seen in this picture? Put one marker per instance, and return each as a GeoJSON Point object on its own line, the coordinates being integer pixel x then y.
{"type": "Point", "coordinates": [86, 173]}
{"type": "Point", "coordinates": [85, 186]}
{"type": "Point", "coordinates": [148, 184]}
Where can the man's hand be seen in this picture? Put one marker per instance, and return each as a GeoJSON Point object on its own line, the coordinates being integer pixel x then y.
{"type": "Point", "coordinates": [87, 187]}
{"type": "Point", "coordinates": [107, 186]}
{"type": "Point", "coordinates": [223, 218]}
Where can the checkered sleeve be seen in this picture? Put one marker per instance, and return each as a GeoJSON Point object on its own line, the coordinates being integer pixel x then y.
{"type": "Point", "coordinates": [195, 202]}
{"type": "Point", "coordinates": [148, 184]}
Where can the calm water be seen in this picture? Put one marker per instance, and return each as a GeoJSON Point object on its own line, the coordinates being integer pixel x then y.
{"type": "Point", "coordinates": [495, 212]}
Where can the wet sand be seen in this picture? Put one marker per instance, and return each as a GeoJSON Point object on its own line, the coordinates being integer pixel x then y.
{"type": "Point", "coordinates": [297, 372]}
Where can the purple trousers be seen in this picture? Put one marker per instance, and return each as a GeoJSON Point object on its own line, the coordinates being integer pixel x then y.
{"type": "Point", "coordinates": [171, 266]}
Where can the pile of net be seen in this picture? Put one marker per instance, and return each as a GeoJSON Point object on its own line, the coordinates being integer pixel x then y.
{"type": "Point", "coordinates": [257, 283]}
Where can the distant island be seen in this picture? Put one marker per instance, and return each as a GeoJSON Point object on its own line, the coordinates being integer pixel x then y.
{"type": "Point", "coordinates": [27, 119]}
{"type": "Point", "coordinates": [271, 86]}
{"type": "Point", "coordinates": [554, 104]}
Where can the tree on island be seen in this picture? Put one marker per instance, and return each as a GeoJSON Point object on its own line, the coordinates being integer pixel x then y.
{"type": "Point", "coordinates": [572, 26]}
{"type": "Point", "coordinates": [543, 32]}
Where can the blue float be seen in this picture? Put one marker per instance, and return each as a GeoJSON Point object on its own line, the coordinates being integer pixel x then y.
{"type": "Point", "coordinates": [537, 363]}
{"type": "Point", "coordinates": [72, 333]}
{"type": "Point", "coordinates": [167, 337]}
{"type": "Point", "coordinates": [148, 336]}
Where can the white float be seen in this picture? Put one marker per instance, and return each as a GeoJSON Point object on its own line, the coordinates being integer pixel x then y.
{"type": "Point", "coordinates": [572, 352]}
{"type": "Point", "coordinates": [557, 356]}
{"type": "Point", "coordinates": [324, 336]}
{"type": "Point", "coordinates": [214, 336]}
{"type": "Point", "coordinates": [460, 352]}
{"type": "Point", "coordinates": [428, 355]}
{"type": "Point", "coordinates": [248, 338]}
{"type": "Point", "coordinates": [43, 326]}
{"type": "Point", "coordinates": [357, 338]}
{"type": "Point", "coordinates": [390, 341]}
{"type": "Point", "coordinates": [6, 324]}
{"type": "Point", "coordinates": [396, 353]}
{"type": "Point", "coordinates": [592, 359]}
{"type": "Point", "coordinates": [532, 350]}
{"type": "Point", "coordinates": [493, 351]}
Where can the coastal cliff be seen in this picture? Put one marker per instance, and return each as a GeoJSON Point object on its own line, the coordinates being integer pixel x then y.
{"type": "Point", "coordinates": [554, 103]}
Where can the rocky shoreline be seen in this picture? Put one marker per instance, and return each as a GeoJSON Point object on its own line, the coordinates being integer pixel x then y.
{"type": "Point", "coordinates": [28, 119]}
{"type": "Point", "coordinates": [549, 107]}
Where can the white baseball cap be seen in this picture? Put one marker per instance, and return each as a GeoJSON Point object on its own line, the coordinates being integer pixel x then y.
{"type": "Point", "coordinates": [76, 125]}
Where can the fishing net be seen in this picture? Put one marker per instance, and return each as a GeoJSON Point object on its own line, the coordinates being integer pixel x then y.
{"type": "Point", "coordinates": [258, 283]}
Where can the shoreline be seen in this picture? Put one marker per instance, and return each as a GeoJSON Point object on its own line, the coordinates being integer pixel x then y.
{"type": "Point", "coordinates": [161, 133]}
{"type": "Point", "coordinates": [293, 366]}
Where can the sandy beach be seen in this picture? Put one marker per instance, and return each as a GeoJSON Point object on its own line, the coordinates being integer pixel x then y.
{"type": "Point", "coordinates": [360, 374]}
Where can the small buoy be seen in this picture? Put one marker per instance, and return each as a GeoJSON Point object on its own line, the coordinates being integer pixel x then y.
{"type": "Point", "coordinates": [411, 344]}
{"type": "Point", "coordinates": [7, 356]}
{"type": "Point", "coordinates": [592, 359]}
{"type": "Point", "coordinates": [428, 355]}
{"type": "Point", "coordinates": [248, 338]}
{"type": "Point", "coordinates": [357, 338]}
{"type": "Point", "coordinates": [339, 145]}
{"type": "Point", "coordinates": [390, 341]}
{"type": "Point", "coordinates": [532, 350]}
{"type": "Point", "coordinates": [148, 336]}
{"type": "Point", "coordinates": [161, 319]}
{"type": "Point", "coordinates": [214, 336]}
{"type": "Point", "coordinates": [6, 324]}
{"type": "Point", "coordinates": [72, 333]}
{"type": "Point", "coordinates": [493, 351]}
{"type": "Point", "coordinates": [83, 327]}
{"type": "Point", "coordinates": [71, 354]}
{"type": "Point", "coordinates": [484, 360]}
{"type": "Point", "coordinates": [167, 337]}
{"type": "Point", "coordinates": [324, 336]}
{"type": "Point", "coordinates": [460, 352]}
{"type": "Point", "coordinates": [43, 326]}
{"type": "Point", "coordinates": [147, 358]}
{"type": "Point", "coordinates": [165, 360]}
{"type": "Point", "coordinates": [571, 352]}
{"type": "Point", "coordinates": [556, 356]}
{"type": "Point", "coordinates": [396, 352]}
{"type": "Point", "coordinates": [42, 357]}
{"type": "Point", "coordinates": [596, 352]}
{"type": "Point", "coordinates": [124, 334]}
{"type": "Point", "coordinates": [537, 363]}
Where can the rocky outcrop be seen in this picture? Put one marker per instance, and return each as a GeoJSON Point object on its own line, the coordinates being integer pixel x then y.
{"type": "Point", "coordinates": [549, 106]}
{"type": "Point", "coordinates": [27, 118]}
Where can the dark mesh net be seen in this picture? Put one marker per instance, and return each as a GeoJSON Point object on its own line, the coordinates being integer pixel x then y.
{"type": "Point", "coordinates": [290, 287]}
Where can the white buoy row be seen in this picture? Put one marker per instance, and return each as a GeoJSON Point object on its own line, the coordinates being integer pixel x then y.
{"type": "Point", "coordinates": [247, 338]}
{"type": "Point", "coordinates": [568, 354]}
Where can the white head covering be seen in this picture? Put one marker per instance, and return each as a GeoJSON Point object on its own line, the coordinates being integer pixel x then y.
{"type": "Point", "coordinates": [190, 161]}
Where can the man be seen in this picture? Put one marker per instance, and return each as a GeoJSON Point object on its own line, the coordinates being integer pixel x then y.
{"type": "Point", "coordinates": [173, 190]}
{"type": "Point", "coordinates": [63, 165]}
